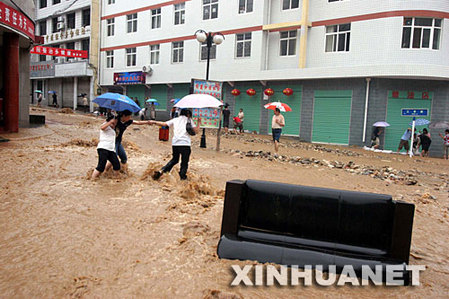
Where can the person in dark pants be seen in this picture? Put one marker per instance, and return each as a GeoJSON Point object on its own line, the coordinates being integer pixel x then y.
{"type": "Point", "coordinates": [226, 114]}
{"type": "Point", "coordinates": [106, 148]}
{"type": "Point", "coordinates": [180, 143]}
{"type": "Point", "coordinates": [55, 100]}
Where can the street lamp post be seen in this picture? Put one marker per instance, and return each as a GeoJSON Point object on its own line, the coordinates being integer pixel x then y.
{"type": "Point", "coordinates": [210, 39]}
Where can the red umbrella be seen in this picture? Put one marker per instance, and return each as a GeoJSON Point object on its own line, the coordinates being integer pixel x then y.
{"type": "Point", "coordinates": [282, 106]}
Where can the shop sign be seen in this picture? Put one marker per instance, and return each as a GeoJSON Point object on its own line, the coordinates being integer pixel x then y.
{"type": "Point", "coordinates": [42, 69]}
{"type": "Point", "coordinates": [414, 112]}
{"type": "Point", "coordinates": [210, 118]}
{"type": "Point", "coordinates": [129, 78]}
{"type": "Point", "coordinates": [15, 19]}
{"type": "Point", "coordinates": [41, 50]}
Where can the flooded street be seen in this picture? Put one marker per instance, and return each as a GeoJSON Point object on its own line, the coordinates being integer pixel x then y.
{"type": "Point", "coordinates": [64, 235]}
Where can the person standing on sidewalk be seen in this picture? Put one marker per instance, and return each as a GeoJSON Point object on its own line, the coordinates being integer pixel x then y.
{"type": "Point", "coordinates": [277, 123]}
{"type": "Point", "coordinates": [180, 142]}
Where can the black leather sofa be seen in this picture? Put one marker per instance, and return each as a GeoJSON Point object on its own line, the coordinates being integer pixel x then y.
{"type": "Point", "coordinates": [299, 225]}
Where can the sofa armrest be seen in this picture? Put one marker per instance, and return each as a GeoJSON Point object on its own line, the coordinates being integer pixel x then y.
{"type": "Point", "coordinates": [235, 191]}
{"type": "Point", "coordinates": [402, 231]}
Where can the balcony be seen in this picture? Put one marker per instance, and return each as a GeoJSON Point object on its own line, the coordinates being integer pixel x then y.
{"type": "Point", "coordinates": [74, 67]}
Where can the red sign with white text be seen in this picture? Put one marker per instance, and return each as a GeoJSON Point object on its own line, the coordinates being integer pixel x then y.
{"type": "Point", "coordinates": [41, 50]}
{"type": "Point", "coordinates": [15, 19]}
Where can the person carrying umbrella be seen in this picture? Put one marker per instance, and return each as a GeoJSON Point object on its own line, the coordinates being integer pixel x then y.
{"type": "Point", "coordinates": [106, 148]}
{"type": "Point", "coordinates": [180, 142]}
{"type": "Point", "coordinates": [277, 123]}
{"type": "Point", "coordinates": [375, 139]}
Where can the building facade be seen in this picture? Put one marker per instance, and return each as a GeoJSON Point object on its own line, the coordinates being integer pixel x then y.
{"type": "Point", "coordinates": [347, 63]}
{"type": "Point", "coordinates": [69, 25]}
{"type": "Point", "coordinates": [16, 37]}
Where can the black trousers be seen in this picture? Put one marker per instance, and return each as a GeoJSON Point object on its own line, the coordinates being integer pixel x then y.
{"type": "Point", "coordinates": [104, 156]}
{"type": "Point", "coordinates": [183, 151]}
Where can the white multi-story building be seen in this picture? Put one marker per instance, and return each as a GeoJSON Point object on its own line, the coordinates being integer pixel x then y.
{"type": "Point", "coordinates": [66, 24]}
{"type": "Point", "coordinates": [349, 63]}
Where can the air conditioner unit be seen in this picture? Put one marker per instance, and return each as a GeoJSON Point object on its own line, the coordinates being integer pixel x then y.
{"type": "Point", "coordinates": [60, 19]}
{"type": "Point", "coordinates": [147, 69]}
{"type": "Point", "coordinates": [60, 26]}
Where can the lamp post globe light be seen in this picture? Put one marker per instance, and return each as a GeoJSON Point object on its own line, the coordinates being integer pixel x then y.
{"type": "Point", "coordinates": [210, 39]}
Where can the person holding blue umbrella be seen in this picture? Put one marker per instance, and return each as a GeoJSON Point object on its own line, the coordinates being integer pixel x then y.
{"type": "Point", "coordinates": [125, 106]}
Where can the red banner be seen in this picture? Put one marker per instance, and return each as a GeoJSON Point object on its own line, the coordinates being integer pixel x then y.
{"type": "Point", "coordinates": [41, 50]}
{"type": "Point", "coordinates": [15, 19]}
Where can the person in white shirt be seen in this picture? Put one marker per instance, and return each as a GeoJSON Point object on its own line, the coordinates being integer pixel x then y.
{"type": "Point", "coordinates": [180, 143]}
{"type": "Point", "coordinates": [277, 123]}
{"type": "Point", "coordinates": [106, 148]}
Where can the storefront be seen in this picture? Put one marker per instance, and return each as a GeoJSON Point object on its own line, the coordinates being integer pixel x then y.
{"type": "Point", "coordinates": [16, 36]}
{"type": "Point", "coordinates": [331, 116]}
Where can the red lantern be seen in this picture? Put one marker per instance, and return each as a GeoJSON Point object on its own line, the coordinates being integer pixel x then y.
{"type": "Point", "coordinates": [288, 91]}
{"type": "Point", "coordinates": [235, 92]}
{"type": "Point", "coordinates": [250, 92]}
{"type": "Point", "coordinates": [269, 92]}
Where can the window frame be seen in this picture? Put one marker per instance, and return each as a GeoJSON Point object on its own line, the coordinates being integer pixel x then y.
{"type": "Point", "coordinates": [110, 59]}
{"type": "Point", "coordinates": [244, 41]}
{"type": "Point", "coordinates": [111, 2]}
{"type": "Point", "coordinates": [72, 19]}
{"type": "Point", "coordinates": [179, 12]}
{"type": "Point", "coordinates": [203, 50]}
{"type": "Point", "coordinates": [156, 17]}
{"type": "Point", "coordinates": [42, 24]}
{"type": "Point", "coordinates": [43, 4]}
{"type": "Point", "coordinates": [155, 54]}
{"type": "Point", "coordinates": [56, 2]}
{"type": "Point", "coordinates": [288, 39]}
{"type": "Point", "coordinates": [290, 4]}
{"type": "Point", "coordinates": [131, 23]}
{"type": "Point", "coordinates": [110, 27]}
{"type": "Point", "coordinates": [243, 7]}
{"type": "Point", "coordinates": [131, 53]}
{"type": "Point", "coordinates": [211, 4]}
{"type": "Point", "coordinates": [84, 19]}
{"type": "Point", "coordinates": [414, 28]}
{"type": "Point", "coordinates": [336, 35]}
{"type": "Point", "coordinates": [179, 50]}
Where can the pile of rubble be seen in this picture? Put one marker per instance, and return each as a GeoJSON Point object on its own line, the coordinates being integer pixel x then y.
{"type": "Point", "coordinates": [385, 173]}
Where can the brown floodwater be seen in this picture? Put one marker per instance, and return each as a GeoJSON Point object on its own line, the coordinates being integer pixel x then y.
{"type": "Point", "coordinates": [64, 235]}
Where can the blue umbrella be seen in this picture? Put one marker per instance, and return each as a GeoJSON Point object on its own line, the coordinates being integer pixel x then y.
{"type": "Point", "coordinates": [117, 102]}
{"type": "Point", "coordinates": [175, 101]}
{"type": "Point", "coordinates": [420, 122]}
{"type": "Point", "coordinates": [52, 92]}
{"type": "Point", "coordinates": [151, 101]}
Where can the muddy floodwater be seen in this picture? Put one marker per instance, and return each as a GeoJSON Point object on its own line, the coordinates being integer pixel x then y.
{"type": "Point", "coordinates": [64, 235]}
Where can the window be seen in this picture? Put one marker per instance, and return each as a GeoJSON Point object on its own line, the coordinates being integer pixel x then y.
{"type": "Point", "coordinates": [85, 45]}
{"type": "Point", "coordinates": [42, 57]}
{"type": "Point", "coordinates": [245, 6]}
{"type": "Point", "coordinates": [210, 9]}
{"type": "Point", "coordinates": [421, 33]}
{"type": "Point", "coordinates": [70, 20]}
{"type": "Point", "coordinates": [43, 27]}
{"type": "Point", "coordinates": [243, 45]}
{"type": "Point", "coordinates": [54, 46]}
{"type": "Point", "coordinates": [132, 22]}
{"type": "Point", "coordinates": [111, 1]}
{"type": "Point", "coordinates": [337, 38]}
{"type": "Point", "coordinates": [131, 57]}
{"type": "Point", "coordinates": [213, 51]}
{"type": "Point", "coordinates": [110, 59]}
{"type": "Point", "coordinates": [54, 25]}
{"type": "Point", "coordinates": [180, 13]}
{"type": "Point", "coordinates": [56, 2]}
{"type": "Point", "coordinates": [290, 4]}
{"type": "Point", "coordinates": [110, 26]}
{"type": "Point", "coordinates": [71, 46]}
{"type": "Point", "coordinates": [178, 52]}
{"type": "Point", "coordinates": [154, 54]}
{"type": "Point", "coordinates": [86, 17]}
{"type": "Point", "coordinates": [155, 18]}
{"type": "Point", "coordinates": [288, 43]}
{"type": "Point", "coordinates": [42, 3]}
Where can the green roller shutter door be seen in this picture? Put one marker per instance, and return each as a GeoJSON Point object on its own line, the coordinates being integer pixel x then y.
{"type": "Point", "coordinates": [136, 91]}
{"type": "Point", "coordinates": [399, 123]}
{"type": "Point", "coordinates": [292, 119]}
{"type": "Point", "coordinates": [331, 116]}
{"type": "Point", "coordinates": [250, 106]}
{"type": "Point", "coordinates": [180, 90]}
{"type": "Point", "coordinates": [159, 92]}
